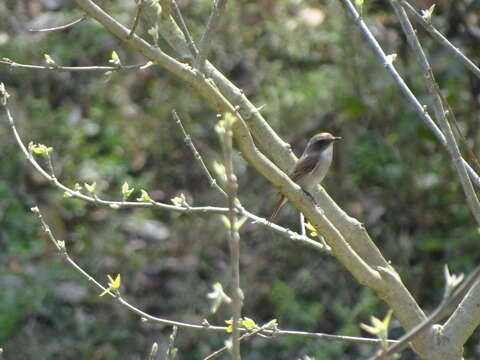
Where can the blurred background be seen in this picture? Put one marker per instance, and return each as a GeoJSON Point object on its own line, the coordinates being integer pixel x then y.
{"type": "Point", "coordinates": [310, 66]}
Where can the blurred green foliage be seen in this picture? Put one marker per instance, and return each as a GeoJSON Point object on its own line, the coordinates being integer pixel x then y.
{"type": "Point", "coordinates": [308, 63]}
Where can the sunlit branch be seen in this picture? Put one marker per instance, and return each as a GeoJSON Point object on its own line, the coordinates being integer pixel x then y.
{"type": "Point", "coordinates": [420, 109]}
{"type": "Point", "coordinates": [59, 68]}
{"type": "Point", "coordinates": [437, 35]}
{"type": "Point", "coordinates": [140, 6]}
{"type": "Point", "coordinates": [209, 34]}
{"type": "Point", "coordinates": [61, 27]}
{"type": "Point", "coordinates": [62, 250]}
{"type": "Point", "coordinates": [435, 93]}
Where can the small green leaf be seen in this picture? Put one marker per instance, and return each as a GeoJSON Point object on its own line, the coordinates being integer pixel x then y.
{"type": "Point", "coordinates": [4, 95]}
{"type": "Point", "coordinates": [451, 281]}
{"type": "Point", "coordinates": [219, 169]}
{"type": "Point", "coordinates": [180, 201]}
{"type": "Point", "coordinates": [230, 119]}
{"type": "Point", "coordinates": [390, 59]}
{"type": "Point", "coordinates": [153, 31]}
{"type": "Point", "coordinates": [49, 60]}
{"type": "Point", "coordinates": [91, 187]}
{"type": "Point", "coordinates": [248, 323]}
{"type": "Point", "coordinates": [126, 191]}
{"type": "Point", "coordinates": [114, 59]}
{"type": "Point", "coordinates": [359, 3]}
{"type": "Point", "coordinates": [379, 328]}
{"type": "Point", "coordinates": [272, 324]}
{"type": "Point", "coordinates": [112, 285]}
{"type": "Point", "coordinates": [116, 283]}
{"type": "Point", "coordinates": [230, 325]}
{"type": "Point", "coordinates": [153, 350]}
{"type": "Point", "coordinates": [225, 221]}
{"type": "Point", "coordinates": [427, 14]}
{"type": "Point", "coordinates": [144, 196]}
{"type": "Point", "coordinates": [313, 231]}
{"type": "Point", "coordinates": [40, 149]}
{"type": "Point", "coordinates": [218, 297]}
{"type": "Point", "coordinates": [67, 194]}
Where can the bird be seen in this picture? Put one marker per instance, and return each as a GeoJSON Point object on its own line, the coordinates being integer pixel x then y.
{"type": "Point", "coordinates": [312, 166]}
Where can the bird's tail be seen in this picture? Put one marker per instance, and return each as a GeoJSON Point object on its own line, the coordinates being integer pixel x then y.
{"type": "Point", "coordinates": [277, 207]}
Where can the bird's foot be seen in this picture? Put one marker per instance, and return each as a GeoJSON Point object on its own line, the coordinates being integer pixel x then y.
{"type": "Point", "coordinates": [310, 196]}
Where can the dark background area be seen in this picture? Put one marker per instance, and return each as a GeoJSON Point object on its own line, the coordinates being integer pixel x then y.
{"type": "Point", "coordinates": [308, 63]}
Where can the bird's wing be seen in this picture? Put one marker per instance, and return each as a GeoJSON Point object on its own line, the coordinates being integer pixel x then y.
{"type": "Point", "coordinates": [304, 165]}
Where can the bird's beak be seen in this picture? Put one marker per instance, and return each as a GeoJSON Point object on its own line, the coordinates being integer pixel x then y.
{"type": "Point", "coordinates": [336, 138]}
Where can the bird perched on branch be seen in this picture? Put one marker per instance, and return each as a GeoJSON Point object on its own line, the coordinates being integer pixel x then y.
{"type": "Point", "coordinates": [312, 166]}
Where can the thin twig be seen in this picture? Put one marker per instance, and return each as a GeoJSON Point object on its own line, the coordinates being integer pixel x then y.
{"type": "Point", "coordinates": [445, 308]}
{"type": "Point", "coordinates": [284, 232]}
{"type": "Point", "coordinates": [421, 110]}
{"type": "Point", "coordinates": [434, 90]}
{"type": "Point", "coordinates": [209, 34]}
{"type": "Point", "coordinates": [196, 154]}
{"type": "Point", "coordinates": [58, 68]}
{"type": "Point", "coordinates": [61, 248]}
{"type": "Point", "coordinates": [177, 15]}
{"type": "Point", "coordinates": [451, 113]}
{"type": "Point", "coordinates": [242, 338]}
{"type": "Point", "coordinates": [234, 236]}
{"type": "Point", "coordinates": [61, 27]}
{"type": "Point", "coordinates": [440, 38]}
{"type": "Point", "coordinates": [140, 5]}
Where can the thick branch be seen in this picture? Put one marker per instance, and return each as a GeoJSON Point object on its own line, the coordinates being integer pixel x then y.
{"type": "Point", "coordinates": [466, 318]}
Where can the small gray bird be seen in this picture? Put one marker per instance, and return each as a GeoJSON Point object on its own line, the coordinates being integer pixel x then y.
{"type": "Point", "coordinates": [312, 166]}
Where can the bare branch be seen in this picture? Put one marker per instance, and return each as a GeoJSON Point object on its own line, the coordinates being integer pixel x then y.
{"type": "Point", "coordinates": [246, 336]}
{"type": "Point", "coordinates": [140, 6]}
{"type": "Point", "coordinates": [421, 110]}
{"type": "Point", "coordinates": [61, 27]}
{"type": "Point", "coordinates": [209, 34]}
{"type": "Point", "coordinates": [196, 154]}
{"type": "Point", "coordinates": [225, 126]}
{"type": "Point", "coordinates": [177, 15]}
{"type": "Point", "coordinates": [434, 90]}
{"type": "Point", "coordinates": [466, 317]}
{"type": "Point", "coordinates": [440, 38]}
{"type": "Point", "coordinates": [58, 68]}
{"type": "Point", "coordinates": [446, 307]}
{"type": "Point", "coordinates": [62, 250]}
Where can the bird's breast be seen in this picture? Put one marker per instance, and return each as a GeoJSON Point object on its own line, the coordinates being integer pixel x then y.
{"type": "Point", "coordinates": [315, 177]}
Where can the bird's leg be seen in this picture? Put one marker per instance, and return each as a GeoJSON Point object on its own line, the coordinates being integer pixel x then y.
{"type": "Point", "coordinates": [302, 225]}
